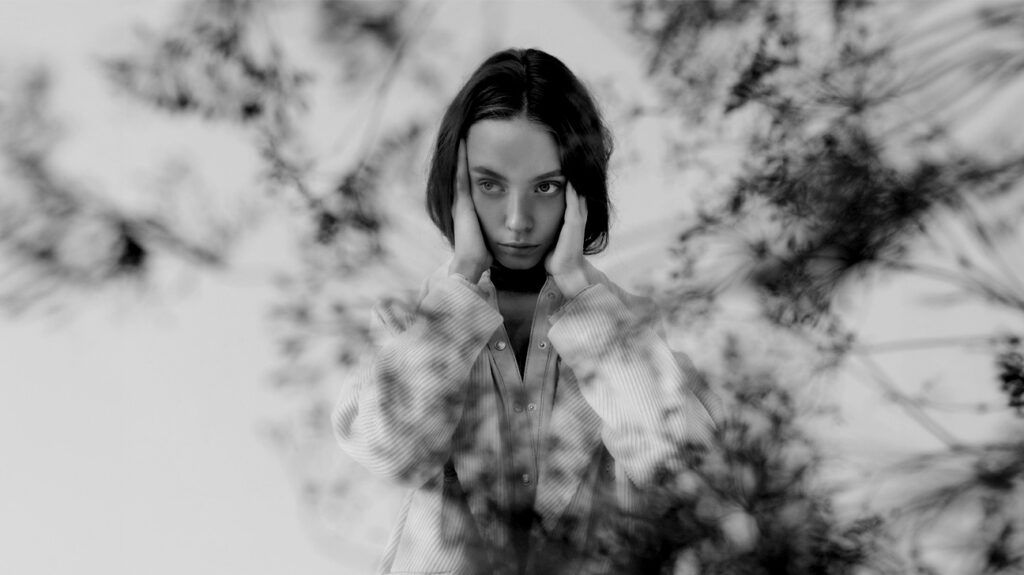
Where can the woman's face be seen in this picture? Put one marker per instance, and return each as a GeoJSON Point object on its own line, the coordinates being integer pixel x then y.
{"type": "Point", "coordinates": [518, 189]}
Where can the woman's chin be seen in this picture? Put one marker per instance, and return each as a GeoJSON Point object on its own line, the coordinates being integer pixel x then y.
{"type": "Point", "coordinates": [513, 262]}
{"type": "Point", "coordinates": [515, 265]}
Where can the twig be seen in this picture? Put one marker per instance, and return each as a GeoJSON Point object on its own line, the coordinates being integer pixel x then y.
{"type": "Point", "coordinates": [966, 282]}
{"type": "Point", "coordinates": [381, 91]}
{"type": "Point", "coordinates": [924, 343]}
{"type": "Point", "coordinates": [908, 405]}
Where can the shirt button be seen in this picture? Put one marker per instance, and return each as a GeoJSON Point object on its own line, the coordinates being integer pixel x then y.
{"type": "Point", "coordinates": [531, 407]}
{"type": "Point", "coordinates": [551, 295]}
{"type": "Point", "coordinates": [499, 346]}
{"type": "Point", "coordinates": [518, 407]}
{"type": "Point", "coordinates": [526, 479]}
{"type": "Point", "coordinates": [543, 345]}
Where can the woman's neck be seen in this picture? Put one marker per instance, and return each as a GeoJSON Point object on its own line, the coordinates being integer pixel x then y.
{"type": "Point", "coordinates": [530, 281]}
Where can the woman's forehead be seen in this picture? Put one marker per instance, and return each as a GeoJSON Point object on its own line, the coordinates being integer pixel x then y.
{"type": "Point", "coordinates": [515, 147]}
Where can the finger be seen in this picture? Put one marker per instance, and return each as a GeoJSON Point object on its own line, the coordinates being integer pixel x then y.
{"type": "Point", "coordinates": [462, 171]}
{"type": "Point", "coordinates": [576, 205]}
{"type": "Point", "coordinates": [571, 201]}
{"type": "Point", "coordinates": [583, 207]}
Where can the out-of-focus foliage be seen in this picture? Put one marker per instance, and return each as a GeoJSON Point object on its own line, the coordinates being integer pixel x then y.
{"type": "Point", "coordinates": [831, 185]}
{"type": "Point", "coordinates": [218, 63]}
{"type": "Point", "coordinates": [1010, 362]}
{"type": "Point", "coordinates": [854, 123]}
{"type": "Point", "coordinates": [59, 238]}
{"type": "Point", "coordinates": [222, 62]}
{"type": "Point", "coordinates": [967, 500]}
{"type": "Point", "coordinates": [224, 65]}
{"type": "Point", "coordinates": [364, 33]}
{"type": "Point", "coordinates": [753, 503]}
{"type": "Point", "coordinates": [213, 63]}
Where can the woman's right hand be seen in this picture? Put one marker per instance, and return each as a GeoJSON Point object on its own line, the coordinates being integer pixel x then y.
{"type": "Point", "coordinates": [471, 254]}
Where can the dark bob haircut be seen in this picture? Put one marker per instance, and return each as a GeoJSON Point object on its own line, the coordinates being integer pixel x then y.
{"type": "Point", "coordinates": [539, 87]}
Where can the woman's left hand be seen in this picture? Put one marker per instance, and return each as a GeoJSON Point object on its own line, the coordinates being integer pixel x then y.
{"type": "Point", "coordinates": [565, 263]}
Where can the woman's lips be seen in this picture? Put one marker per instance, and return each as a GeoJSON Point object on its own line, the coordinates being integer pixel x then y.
{"type": "Point", "coordinates": [518, 249]}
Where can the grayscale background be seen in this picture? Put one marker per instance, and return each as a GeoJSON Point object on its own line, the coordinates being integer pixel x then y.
{"type": "Point", "coordinates": [199, 200]}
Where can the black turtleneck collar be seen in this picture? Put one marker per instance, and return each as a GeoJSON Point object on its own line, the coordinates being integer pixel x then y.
{"type": "Point", "coordinates": [531, 280]}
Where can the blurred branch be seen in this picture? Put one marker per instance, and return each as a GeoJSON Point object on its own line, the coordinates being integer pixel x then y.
{"type": "Point", "coordinates": [926, 343]}
{"type": "Point", "coordinates": [977, 492]}
{"type": "Point", "coordinates": [987, 287]}
{"type": "Point", "coordinates": [982, 232]}
{"type": "Point", "coordinates": [963, 54]}
{"type": "Point", "coordinates": [380, 92]}
{"type": "Point", "coordinates": [908, 405]}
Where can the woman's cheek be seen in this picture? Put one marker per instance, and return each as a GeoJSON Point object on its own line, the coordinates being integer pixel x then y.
{"type": "Point", "coordinates": [488, 212]}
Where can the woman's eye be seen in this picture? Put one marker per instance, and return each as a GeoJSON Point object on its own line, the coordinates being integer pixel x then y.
{"type": "Point", "coordinates": [488, 186]}
{"type": "Point", "coordinates": [549, 187]}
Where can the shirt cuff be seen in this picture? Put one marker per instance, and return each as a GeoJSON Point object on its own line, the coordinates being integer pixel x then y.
{"type": "Point", "coordinates": [461, 279]}
{"type": "Point", "coordinates": [574, 301]}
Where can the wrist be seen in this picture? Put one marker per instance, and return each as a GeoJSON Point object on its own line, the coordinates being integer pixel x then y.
{"type": "Point", "coordinates": [572, 283]}
{"type": "Point", "coordinates": [471, 272]}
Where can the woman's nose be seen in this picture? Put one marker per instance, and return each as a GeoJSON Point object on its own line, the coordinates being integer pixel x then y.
{"type": "Point", "coordinates": [517, 215]}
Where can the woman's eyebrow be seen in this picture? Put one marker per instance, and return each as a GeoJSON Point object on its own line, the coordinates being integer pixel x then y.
{"type": "Point", "coordinates": [551, 174]}
{"type": "Point", "coordinates": [485, 171]}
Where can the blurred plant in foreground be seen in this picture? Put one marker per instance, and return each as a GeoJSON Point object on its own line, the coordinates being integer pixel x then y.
{"type": "Point", "coordinates": [60, 239]}
{"type": "Point", "coordinates": [854, 121]}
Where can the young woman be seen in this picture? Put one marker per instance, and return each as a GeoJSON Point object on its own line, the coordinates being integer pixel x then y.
{"type": "Point", "coordinates": [528, 402]}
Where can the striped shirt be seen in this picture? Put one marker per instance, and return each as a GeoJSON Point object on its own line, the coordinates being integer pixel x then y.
{"type": "Point", "coordinates": [602, 407]}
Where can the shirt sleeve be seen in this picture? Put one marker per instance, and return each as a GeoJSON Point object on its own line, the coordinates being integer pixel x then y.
{"type": "Point", "coordinates": [646, 399]}
{"type": "Point", "coordinates": [398, 412]}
